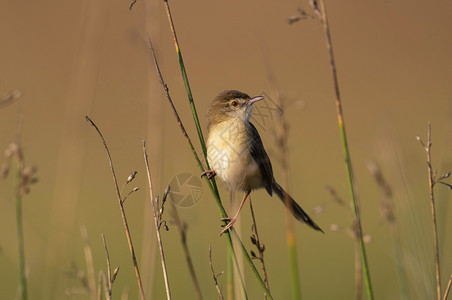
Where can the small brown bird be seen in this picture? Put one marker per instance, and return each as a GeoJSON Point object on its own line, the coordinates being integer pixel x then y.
{"type": "Point", "coordinates": [236, 153]}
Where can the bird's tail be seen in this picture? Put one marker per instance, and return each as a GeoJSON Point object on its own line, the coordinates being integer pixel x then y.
{"type": "Point", "coordinates": [296, 210]}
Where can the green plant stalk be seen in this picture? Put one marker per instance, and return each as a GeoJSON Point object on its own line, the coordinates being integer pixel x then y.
{"type": "Point", "coordinates": [293, 258]}
{"type": "Point", "coordinates": [20, 231]}
{"type": "Point", "coordinates": [356, 211]}
{"type": "Point", "coordinates": [211, 183]}
{"type": "Point", "coordinates": [348, 163]}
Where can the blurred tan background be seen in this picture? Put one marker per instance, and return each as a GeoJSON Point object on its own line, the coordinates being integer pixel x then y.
{"type": "Point", "coordinates": [77, 58]}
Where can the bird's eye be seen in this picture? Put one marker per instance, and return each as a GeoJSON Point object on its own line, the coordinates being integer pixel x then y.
{"type": "Point", "coordinates": [234, 103]}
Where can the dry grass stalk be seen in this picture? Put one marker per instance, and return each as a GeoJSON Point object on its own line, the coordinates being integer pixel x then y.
{"type": "Point", "coordinates": [123, 214]}
{"type": "Point", "coordinates": [158, 221]}
{"type": "Point", "coordinates": [432, 181]}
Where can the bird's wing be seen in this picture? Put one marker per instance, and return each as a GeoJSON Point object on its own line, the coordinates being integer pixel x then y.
{"type": "Point", "coordinates": [259, 154]}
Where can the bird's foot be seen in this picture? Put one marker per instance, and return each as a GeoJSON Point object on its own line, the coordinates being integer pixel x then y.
{"type": "Point", "coordinates": [210, 174]}
{"type": "Point", "coordinates": [229, 225]}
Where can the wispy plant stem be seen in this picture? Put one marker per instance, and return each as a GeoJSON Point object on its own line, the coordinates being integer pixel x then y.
{"type": "Point", "coordinates": [350, 177]}
{"type": "Point", "coordinates": [156, 211]}
{"type": "Point", "coordinates": [121, 207]}
{"type": "Point", "coordinates": [431, 184]}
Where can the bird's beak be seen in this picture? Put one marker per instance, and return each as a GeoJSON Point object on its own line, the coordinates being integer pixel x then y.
{"type": "Point", "coordinates": [254, 100]}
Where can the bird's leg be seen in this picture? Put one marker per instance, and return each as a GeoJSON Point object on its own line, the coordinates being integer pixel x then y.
{"type": "Point", "coordinates": [232, 220]}
{"type": "Point", "coordinates": [209, 173]}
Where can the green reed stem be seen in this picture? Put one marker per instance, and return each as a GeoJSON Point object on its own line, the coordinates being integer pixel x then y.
{"type": "Point", "coordinates": [293, 259]}
{"type": "Point", "coordinates": [348, 162]}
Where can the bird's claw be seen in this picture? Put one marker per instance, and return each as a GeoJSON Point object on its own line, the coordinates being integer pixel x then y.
{"type": "Point", "coordinates": [210, 174]}
{"type": "Point", "coordinates": [227, 226]}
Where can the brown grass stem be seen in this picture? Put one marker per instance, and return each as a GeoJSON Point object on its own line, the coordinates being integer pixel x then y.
{"type": "Point", "coordinates": [182, 229]}
{"type": "Point", "coordinates": [121, 207]}
{"type": "Point", "coordinates": [431, 184]}
{"type": "Point", "coordinates": [215, 276]}
{"type": "Point", "coordinates": [173, 108]}
{"type": "Point", "coordinates": [320, 9]}
{"type": "Point", "coordinates": [157, 221]}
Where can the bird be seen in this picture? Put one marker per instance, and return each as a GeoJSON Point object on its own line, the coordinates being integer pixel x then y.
{"type": "Point", "coordinates": [236, 154]}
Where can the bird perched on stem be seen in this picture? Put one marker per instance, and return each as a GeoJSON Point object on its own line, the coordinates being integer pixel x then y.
{"type": "Point", "coordinates": [237, 155]}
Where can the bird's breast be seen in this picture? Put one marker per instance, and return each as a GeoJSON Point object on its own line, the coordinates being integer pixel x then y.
{"type": "Point", "coordinates": [228, 152]}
